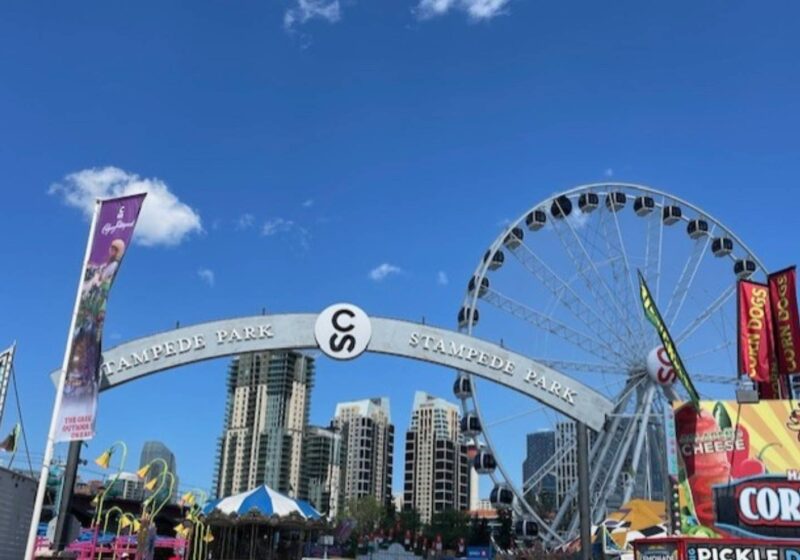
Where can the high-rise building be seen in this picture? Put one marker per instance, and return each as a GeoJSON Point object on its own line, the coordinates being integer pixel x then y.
{"type": "Point", "coordinates": [437, 471]}
{"type": "Point", "coordinates": [541, 447]}
{"type": "Point", "coordinates": [268, 401]}
{"type": "Point", "coordinates": [368, 447]}
{"type": "Point", "coordinates": [127, 486]}
{"type": "Point", "coordinates": [649, 482]}
{"type": "Point", "coordinates": [153, 450]}
{"type": "Point", "coordinates": [320, 474]}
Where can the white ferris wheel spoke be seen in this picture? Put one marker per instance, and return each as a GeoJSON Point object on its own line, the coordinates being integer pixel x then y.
{"type": "Point", "coordinates": [654, 234]}
{"type": "Point", "coordinates": [582, 366]}
{"type": "Point", "coordinates": [547, 467]}
{"type": "Point", "coordinates": [622, 275]}
{"type": "Point", "coordinates": [707, 351]}
{"type": "Point", "coordinates": [715, 378]}
{"type": "Point", "coordinates": [601, 446]}
{"type": "Point", "coordinates": [565, 295]}
{"type": "Point", "coordinates": [542, 321]}
{"type": "Point", "coordinates": [644, 424]}
{"type": "Point", "coordinates": [706, 314]}
{"type": "Point", "coordinates": [516, 416]}
{"type": "Point", "coordinates": [595, 284]}
{"type": "Point", "coordinates": [687, 278]}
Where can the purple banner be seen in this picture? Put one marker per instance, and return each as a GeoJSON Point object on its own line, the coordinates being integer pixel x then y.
{"type": "Point", "coordinates": [114, 223]}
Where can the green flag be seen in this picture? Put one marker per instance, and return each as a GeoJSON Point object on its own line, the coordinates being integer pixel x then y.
{"type": "Point", "coordinates": [652, 314]}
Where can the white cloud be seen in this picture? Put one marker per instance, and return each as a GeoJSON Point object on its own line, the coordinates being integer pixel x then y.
{"type": "Point", "coordinates": [442, 279]}
{"type": "Point", "coordinates": [206, 275]}
{"type": "Point", "coordinates": [296, 232]}
{"type": "Point", "coordinates": [475, 9]}
{"type": "Point", "coordinates": [245, 221]}
{"type": "Point", "coordinates": [577, 218]}
{"type": "Point", "coordinates": [276, 225]}
{"type": "Point", "coordinates": [304, 10]}
{"type": "Point", "coordinates": [308, 203]}
{"type": "Point", "coordinates": [164, 220]}
{"type": "Point", "coordinates": [382, 271]}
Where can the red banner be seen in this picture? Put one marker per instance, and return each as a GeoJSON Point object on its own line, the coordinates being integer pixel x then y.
{"type": "Point", "coordinates": [783, 300]}
{"type": "Point", "coordinates": [756, 351]}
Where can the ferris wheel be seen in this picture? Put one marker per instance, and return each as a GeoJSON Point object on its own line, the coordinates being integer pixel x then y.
{"type": "Point", "coordinates": [560, 285]}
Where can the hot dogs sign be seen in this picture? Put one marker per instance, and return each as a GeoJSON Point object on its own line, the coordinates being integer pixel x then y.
{"type": "Point", "coordinates": [739, 480]}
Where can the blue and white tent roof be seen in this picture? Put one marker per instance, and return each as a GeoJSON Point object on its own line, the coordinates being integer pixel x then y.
{"type": "Point", "coordinates": [265, 501]}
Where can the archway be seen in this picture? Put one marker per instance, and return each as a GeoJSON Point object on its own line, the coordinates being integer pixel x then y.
{"type": "Point", "coordinates": [216, 339]}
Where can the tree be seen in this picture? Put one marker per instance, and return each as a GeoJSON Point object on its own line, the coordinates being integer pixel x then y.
{"type": "Point", "coordinates": [409, 520]}
{"type": "Point", "coordinates": [479, 535]}
{"type": "Point", "coordinates": [367, 512]}
{"type": "Point", "coordinates": [504, 536]}
{"type": "Point", "coordinates": [452, 525]}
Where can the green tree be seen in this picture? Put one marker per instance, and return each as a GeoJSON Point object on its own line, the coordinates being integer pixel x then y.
{"type": "Point", "coordinates": [410, 521]}
{"type": "Point", "coordinates": [367, 512]}
{"type": "Point", "coordinates": [479, 534]}
{"type": "Point", "coordinates": [452, 525]}
{"type": "Point", "coordinates": [505, 533]}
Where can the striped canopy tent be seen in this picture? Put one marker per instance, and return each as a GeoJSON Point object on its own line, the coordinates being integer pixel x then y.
{"type": "Point", "coordinates": [635, 520]}
{"type": "Point", "coordinates": [265, 501]}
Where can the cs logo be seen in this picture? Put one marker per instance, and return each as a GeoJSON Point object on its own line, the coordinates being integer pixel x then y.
{"type": "Point", "coordinates": [343, 331]}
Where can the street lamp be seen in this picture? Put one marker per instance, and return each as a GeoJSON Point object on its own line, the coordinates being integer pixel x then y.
{"type": "Point", "coordinates": [111, 510]}
{"type": "Point", "coordinates": [195, 500]}
{"type": "Point", "coordinates": [103, 461]}
{"type": "Point", "coordinates": [127, 520]}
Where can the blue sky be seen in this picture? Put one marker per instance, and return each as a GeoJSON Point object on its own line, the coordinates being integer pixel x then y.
{"type": "Point", "coordinates": [308, 142]}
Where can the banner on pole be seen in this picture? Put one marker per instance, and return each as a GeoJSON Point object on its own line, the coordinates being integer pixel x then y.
{"type": "Point", "coordinates": [783, 300]}
{"type": "Point", "coordinates": [114, 222]}
{"type": "Point", "coordinates": [6, 361]}
{"type": "Point", "coordinates": [652, 314]}
{"type": "Point", "coordinates": [756, 342]}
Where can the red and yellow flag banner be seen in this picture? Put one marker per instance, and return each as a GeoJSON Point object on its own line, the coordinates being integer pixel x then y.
{"type": "Point", "coordinates": [756, 351]}
{"type": "Point", "coordinates": [783, 300]}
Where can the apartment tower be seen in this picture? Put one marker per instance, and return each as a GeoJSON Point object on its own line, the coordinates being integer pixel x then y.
{"type": "Point", "coordinates": [368, 448]}
{"type": "Point", "coordinates": [268, 401]}
{"type": "Point", "coordinates": [437, 470]}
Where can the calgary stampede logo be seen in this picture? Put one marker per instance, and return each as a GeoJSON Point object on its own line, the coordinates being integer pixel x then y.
{"type": "Point", "coordinates": [120, 225]}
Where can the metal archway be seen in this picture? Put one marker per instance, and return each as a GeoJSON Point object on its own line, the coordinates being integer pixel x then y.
{"type": "Point", "coordinates": [216, 339]}
{"type": "Point", "coordinates": [307, 331]}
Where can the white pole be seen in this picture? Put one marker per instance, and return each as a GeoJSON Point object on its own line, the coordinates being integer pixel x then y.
{"type": "Point", "coordinates": [51, 436]}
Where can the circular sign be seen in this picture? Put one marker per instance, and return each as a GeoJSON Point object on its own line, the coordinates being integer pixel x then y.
{"type": "Point", "coordinates": [343, 331]}
{"type": "Point", "coordinates": [659, 367]}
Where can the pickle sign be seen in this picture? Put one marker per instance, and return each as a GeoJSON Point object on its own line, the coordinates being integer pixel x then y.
{"type": "Point", "coordinates": [343, 331]}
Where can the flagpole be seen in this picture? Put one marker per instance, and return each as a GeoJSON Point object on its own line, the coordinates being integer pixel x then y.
{"type": "Point", "coordinates": [51, 436]}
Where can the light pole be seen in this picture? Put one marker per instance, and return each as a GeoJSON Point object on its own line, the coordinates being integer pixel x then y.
{"type": "Point", "coordinates": [103, 461]}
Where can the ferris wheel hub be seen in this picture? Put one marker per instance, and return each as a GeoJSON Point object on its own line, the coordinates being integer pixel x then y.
{"type": "Point", "coordinates": [659, 367]}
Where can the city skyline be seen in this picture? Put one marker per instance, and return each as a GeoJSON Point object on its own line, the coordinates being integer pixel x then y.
{"type": "Point", "coordinates": [291, 170]}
